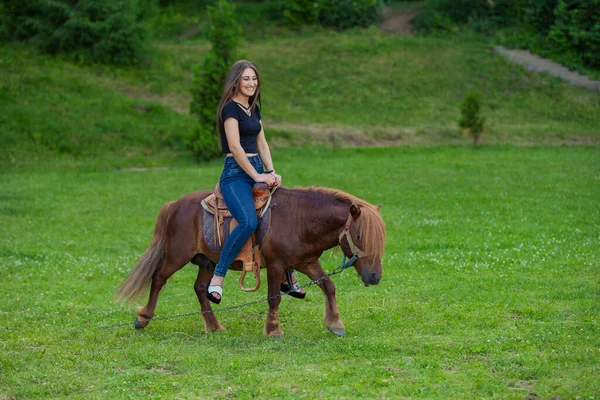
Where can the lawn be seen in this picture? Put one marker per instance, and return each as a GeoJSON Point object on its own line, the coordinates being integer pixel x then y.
{"type": "Point", "coordinates": [490, 287]}
{"type": "Point", "coordinates": [491, 275]}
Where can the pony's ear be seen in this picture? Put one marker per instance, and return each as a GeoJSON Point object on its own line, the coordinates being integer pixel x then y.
{"type": "Point", "coordinates": [354, 211]}
{"type": "Point", "coordinates": [378, 207]}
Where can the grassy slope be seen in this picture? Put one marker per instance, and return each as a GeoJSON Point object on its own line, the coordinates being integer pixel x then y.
{"type": "Point", "coordinates": [53, 105]}
{"type": "Point", "coordinates": [369, 79]}
{"type": "Point", "coordinates": [490, 284]}
{"type": "Point", "coordinates": [374, 81]}
{"type": "Point", "coordinates": [362, 81]}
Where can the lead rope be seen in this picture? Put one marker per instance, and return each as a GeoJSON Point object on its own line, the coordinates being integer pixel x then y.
{"type": "Point", "coordinates": [340, 268]}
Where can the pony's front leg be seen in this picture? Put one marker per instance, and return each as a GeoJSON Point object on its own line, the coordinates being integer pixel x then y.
{"type": "Point", "coordinates": [210, 321]}
{"type": "Point", "coordinates": [274, 274]}
{"type": "Point", "coordinates": [332, 318]}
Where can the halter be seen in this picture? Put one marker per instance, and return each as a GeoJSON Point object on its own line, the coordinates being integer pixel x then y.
{"type": "Point", "coordinates": [356, 252]}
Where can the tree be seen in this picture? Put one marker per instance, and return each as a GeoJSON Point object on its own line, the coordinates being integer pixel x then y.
{"type": "Point", "coordinates": [471, 119]}
{"type": "Point", "coordinates": [223, 33]}
{"type": "Point", "coordinates": [90, 31]}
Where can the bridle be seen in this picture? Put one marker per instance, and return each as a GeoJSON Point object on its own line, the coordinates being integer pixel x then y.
{"type": "Point", "coordinates": [356, 252]}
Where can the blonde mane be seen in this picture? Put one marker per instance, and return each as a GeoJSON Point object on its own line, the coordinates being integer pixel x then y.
{"type": "Point", "coordinates": [370, 225]}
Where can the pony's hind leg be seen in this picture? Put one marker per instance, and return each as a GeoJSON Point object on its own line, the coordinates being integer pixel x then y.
{"type": "Point", "coordinates": [160, 277]}
{"type": "Point", "coordinates": [205, 267]}
{"type": "Point", "coordinates": [332, 318]}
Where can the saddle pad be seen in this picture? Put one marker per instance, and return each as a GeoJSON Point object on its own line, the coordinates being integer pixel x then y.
{"type": "Point", "coordinates": [208, 229]}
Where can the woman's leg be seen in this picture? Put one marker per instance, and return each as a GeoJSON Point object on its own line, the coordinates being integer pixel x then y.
{"type": "Point", "coordinates": [238, 197]}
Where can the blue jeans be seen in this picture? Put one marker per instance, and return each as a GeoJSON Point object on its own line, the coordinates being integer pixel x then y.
{"type": "Point", "coordinates": [236, 187]}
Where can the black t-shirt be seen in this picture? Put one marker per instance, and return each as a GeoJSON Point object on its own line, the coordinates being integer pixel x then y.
{"type": "Point", "coordinates": [249, 126]}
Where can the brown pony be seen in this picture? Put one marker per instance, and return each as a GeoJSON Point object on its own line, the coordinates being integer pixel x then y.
{"type": "Point", "coordinates": [304, 223]}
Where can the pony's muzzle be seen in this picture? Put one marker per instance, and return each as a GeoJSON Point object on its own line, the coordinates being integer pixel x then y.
{"type": "Point", "coordinates": [370, 277]}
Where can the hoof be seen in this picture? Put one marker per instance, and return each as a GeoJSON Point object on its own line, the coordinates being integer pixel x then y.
{"type": "Point", "coordinates": [219, 328]}
{"type": "Point", "coordinates": [140, 324]}
{"type": "Point", "coordinates": [275, 337]}
{"type": "Point", "coordinates": [276, 334]}
{"type": "Point", "coordinates": [338, 332]}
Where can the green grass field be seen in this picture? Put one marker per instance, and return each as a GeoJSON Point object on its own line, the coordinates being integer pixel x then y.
{"type": "Point", "coordinates": [490, 286]}
{"type": "Point", "coordinates": [491, 276]}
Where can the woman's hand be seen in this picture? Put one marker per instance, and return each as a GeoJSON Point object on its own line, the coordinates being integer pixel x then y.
{"type": "Point", "coordinates": [269, 179]}
{"type": "Point", "coordinates": [277, 178]}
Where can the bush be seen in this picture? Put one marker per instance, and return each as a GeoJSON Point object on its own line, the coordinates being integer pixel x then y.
{"type": "Point", "coordinates": [88, 30]}
{"type": "Point", "coordinates": [299, 12]}
{"type": "Point", "coordinates": [345, 14]}
{"type": "Point", "coordinates": [4, 32]}
{"type": "Point", "coordinates": [565, 30]}
{"type": "Point", "coordinates": [576, 30]}
{"type": "Point", "coordinates": [538, 15]}
{"type": "Point", "coordinates": [223, 34]}
{"type": "Point", "coordinates": [471, 119]}
{"type": "Point", "coordinates": [195, 3]}
{"type": "Point", "coordinates": [480, 15]}
{"type": "Point", "coordinates": [339, 14]}
{"type": "Point", "coordinates": [432, 20]}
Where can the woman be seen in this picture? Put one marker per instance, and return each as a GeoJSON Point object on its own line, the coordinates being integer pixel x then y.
{"type": "Point", "coordinates": [242, 139]}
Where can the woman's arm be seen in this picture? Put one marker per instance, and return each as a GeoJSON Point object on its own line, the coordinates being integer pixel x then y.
{"type": "Point", "coordinates": [263, 150]}
{"type": "Point", "coordinates": [265, 154]}
{"type": "Point", "coordinates": [232, 133]}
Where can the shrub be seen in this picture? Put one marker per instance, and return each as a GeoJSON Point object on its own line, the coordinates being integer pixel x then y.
{"type": "Point", "coordinates": [88, 30]}
{"type": "Point", "coordinates": [345, 14]}
{"type": "Point", "coordinates": [537, 15]}
{"type": "Point", "coordinates": [300, 12]}
{"type": "Point", "coordinates": [480, 15]}
{"type": "Point", "coordinates": [565, 30]}
{"type": "Point", "coordinates": [223, 34]}
{"type": "Point", "coordinates": [4, 21]}
{"type": "Point", "coordinates": [19, 20]}
{"type": "Point", "coordinates": [576, 29]}
{"type": "Point", "coordinates": [471, 119]}
{"type": "Point", "coordinates": [432, 20]}
{"type": "Point", "coordinates": [339, 14]}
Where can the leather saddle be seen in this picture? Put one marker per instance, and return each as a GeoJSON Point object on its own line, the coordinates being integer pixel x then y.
{"type": "Point", "coordinates": [219, 223]}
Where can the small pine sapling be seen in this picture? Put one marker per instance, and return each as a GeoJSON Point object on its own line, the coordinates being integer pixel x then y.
{"type": "Point", "coordinates": [470, 119]}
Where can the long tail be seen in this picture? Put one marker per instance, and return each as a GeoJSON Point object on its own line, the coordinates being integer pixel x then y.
{"type": "Point", "coordinates": [141, 275]}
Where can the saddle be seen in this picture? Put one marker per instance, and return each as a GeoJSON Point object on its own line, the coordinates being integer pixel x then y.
{"type": "Point", "coordinates": [219, 223]}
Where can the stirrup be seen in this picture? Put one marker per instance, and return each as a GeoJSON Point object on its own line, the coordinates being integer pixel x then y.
{"type": "Point", "coordinates": [214, 289]}
{"type": "Point", "coordinates": [292, 289]}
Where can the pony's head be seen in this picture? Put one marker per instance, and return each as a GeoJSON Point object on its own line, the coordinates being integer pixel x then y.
{"type": "Point", "coordinates": [365, 239]}
{"type": "Point", "coordinates": [363, 234]}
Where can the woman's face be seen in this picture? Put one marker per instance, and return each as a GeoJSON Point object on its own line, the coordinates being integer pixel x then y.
{"type": "Point", "coordinates": [248, 82]}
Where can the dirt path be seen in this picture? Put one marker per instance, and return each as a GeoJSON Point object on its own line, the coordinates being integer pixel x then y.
{"type": "Point", "coordinates": [536, 63]}
{"type": "Point", "coordinates": [398, 20]}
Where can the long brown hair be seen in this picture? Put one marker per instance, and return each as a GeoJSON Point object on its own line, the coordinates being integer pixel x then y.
{"type": "Point", "coordinates": [232, 84]}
